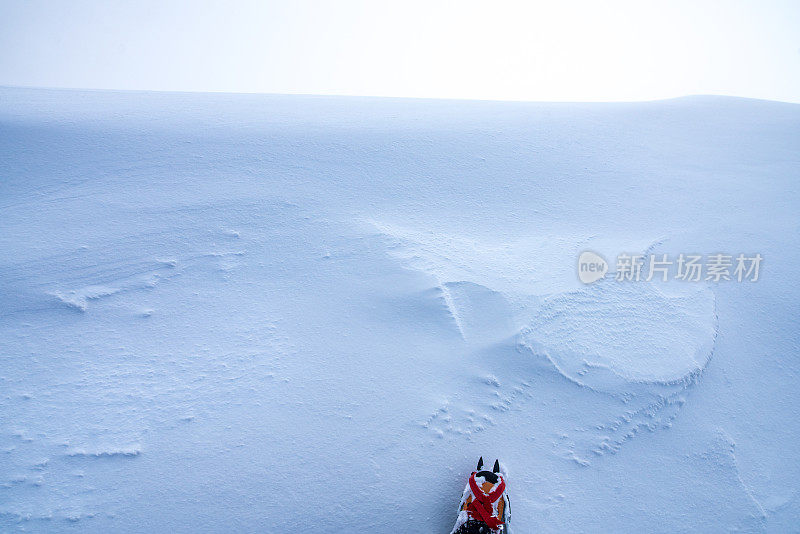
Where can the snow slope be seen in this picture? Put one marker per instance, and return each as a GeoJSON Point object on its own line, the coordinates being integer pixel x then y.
{"type": "Point", "coordinates": [239, 313]}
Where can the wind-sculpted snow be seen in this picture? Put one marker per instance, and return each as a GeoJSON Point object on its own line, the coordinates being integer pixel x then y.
{"type": "Point", "coordinates": [533, 265]}
{"type": "Point", "coordinates": [617, 332]}
{"type": "Point", "coordinates": [628, 340]}
{"type": "Point", "coordinates": [253, 313]}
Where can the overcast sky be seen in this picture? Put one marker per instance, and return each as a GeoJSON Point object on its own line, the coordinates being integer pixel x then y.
{"type": "Point", "coordinates": [559, 50]}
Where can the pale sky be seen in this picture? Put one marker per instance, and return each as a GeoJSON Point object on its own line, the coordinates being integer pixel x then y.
{"type": "Point", "coordinates": [502, 50]}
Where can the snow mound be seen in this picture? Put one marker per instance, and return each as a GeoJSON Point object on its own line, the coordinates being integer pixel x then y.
{"type": "Point", "coordinates": [613, 332]}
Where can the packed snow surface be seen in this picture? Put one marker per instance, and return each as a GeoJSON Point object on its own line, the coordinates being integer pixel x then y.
{"type": "Point", "coordinates": [248, 313]}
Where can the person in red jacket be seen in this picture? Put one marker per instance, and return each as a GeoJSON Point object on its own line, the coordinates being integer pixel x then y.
{"type": "Point", "coordinates": [484, 507]}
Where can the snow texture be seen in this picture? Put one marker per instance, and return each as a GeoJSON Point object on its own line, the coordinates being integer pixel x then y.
{"type": "Point", "coordinates": [240, 313]}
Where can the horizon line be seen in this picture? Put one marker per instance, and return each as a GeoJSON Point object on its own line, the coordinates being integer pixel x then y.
{"type": "Point", "coordinates": [389, 97]}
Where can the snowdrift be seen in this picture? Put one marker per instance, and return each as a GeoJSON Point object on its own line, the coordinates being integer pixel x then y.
{"type": "Point", "coordinates": [236, 313]}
